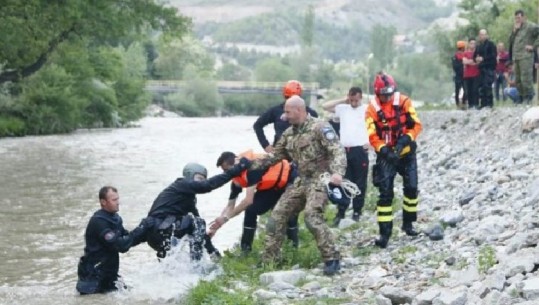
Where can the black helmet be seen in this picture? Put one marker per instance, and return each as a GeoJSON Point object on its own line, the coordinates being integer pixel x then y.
{"type": "Point", "coordinates": [190, 169]}
{"type": "Point", "coordinates": [337, 196]}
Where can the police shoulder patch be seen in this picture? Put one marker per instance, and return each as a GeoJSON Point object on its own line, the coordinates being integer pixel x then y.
{"type": "Point", "coordinates": [109, 235]}
{"type": "Point", "coordinates": [329, 133]}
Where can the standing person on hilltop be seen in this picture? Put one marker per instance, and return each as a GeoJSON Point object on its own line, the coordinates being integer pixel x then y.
{"type": "Point", "coordinates": [501, 67]}
{"type": "Point", "coordinates": [393, 127]}
{"type": "Point", "coordinates": [471, 76]}
{"type": "Point", "coordinates": [275, 116]}
{"type": "Point", "coordinates": [351, 115]}
{"type": "Point", "coordinates": [485, 56]}
{"type": "Point", "coordinates": [523, 41]}
{"type": "Point", "coordinates": [458, 74]}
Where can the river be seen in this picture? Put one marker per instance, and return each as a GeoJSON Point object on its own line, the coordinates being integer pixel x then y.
{"type": "Point", "coordinates": [48, 191]}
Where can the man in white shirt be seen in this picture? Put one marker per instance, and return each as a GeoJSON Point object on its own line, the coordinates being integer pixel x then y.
{"type": "Point", "coordinates": [353, 135]}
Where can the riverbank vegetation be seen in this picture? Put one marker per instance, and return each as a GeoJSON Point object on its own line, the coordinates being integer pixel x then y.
{"type": "Point", "coordinates": [76, 64]}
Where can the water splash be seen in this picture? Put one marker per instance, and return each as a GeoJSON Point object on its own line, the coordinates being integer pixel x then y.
{"type": "Point", "coordinates": [168, 279]}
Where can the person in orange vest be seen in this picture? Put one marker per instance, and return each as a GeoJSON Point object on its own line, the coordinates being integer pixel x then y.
{"type": "Point", "coordinates": [393, 127]}
{"type": "Point", "coordinates": [263, 187]}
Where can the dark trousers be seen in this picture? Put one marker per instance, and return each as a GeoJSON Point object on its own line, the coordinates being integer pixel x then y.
{"type": "Point", "coordinates": [486, 79]}
{"type": "Point", "coordinates": [459, 84]}
{"type": "Point", "coordinates": [407, 168]}
{"type": "Point", "coordinates": [471, 89]}
{"type": "Point", "coordinates": [357, 171]}
{"type": "Point", "coordinates": [264, 201]}
{"type": "Point", "coordinates": [159, 237]}
{"type": "Point", "coordinates": [499, 84]}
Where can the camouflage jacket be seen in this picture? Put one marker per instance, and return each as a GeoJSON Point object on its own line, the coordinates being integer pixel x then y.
{"type": "Point", "coordinates": [528, 34]}
{"type": "Point", "coordinates": [313, 146]}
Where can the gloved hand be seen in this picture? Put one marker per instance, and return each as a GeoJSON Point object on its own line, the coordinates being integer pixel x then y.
{"type": "Point", "coordinates": [389, 155]}
{"type": "Point", "coordinates": [240, 167]}
{"type": "Point", "coordinates": [402, 142]}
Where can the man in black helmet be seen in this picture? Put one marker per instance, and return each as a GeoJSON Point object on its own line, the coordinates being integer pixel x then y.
{"type": "Point", "coordinates": [175, 212]}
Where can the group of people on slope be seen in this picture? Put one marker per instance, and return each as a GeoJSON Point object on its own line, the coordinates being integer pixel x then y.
{"type": "Point", "coordinates": [477, 67]}
{"type": "Point", "coordinates": [285, 180]}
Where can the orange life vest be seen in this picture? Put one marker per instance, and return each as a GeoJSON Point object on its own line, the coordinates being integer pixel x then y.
{"type": "Point", "coordinates": [392, 121]}
{"type": "Point", "coordinates": [276, 177]}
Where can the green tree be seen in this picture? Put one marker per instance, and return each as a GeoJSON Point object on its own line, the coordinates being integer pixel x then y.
{"type": "Point", "coordinates": [382, 44]}
{"type": "Point", "coordinates": [175, 56]}
{"type": "Point", "coordinates": [307, 32]}
{"type": "Point", "coordinates": [273, 70]}
{"type": "Point", "coordinates": [233, 72]}
{"type": "Point", "coordinates": [32, 30]}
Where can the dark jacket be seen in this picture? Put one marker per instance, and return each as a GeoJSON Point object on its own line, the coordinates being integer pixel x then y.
{"type": "Point", "coordinates": [179, 198]}
{"type": "Point", "coordinates": [488, 51]}
{"type": "Point", "coordinates": [105, 237]}
{"type": "Point", "coordinates": [274, 116]}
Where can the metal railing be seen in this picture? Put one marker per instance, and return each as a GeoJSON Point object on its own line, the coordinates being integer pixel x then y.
{"type": "Point", "coordinates": [227, 86]}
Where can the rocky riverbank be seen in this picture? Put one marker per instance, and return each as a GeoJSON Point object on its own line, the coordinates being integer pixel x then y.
{"type": "Point", "coordinates": [479, 190]}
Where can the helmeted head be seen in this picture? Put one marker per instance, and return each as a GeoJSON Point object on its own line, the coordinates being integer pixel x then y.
{"type": "Point", "coordinates": [384, 86]}
{"type": "Point", "coordinates": [194, 171]}
{"type": "Point", "coordinates": [461, 44]}
{"type": "Point", "coordinates": [292, 87]}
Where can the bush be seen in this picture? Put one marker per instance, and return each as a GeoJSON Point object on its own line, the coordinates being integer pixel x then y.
{"type": "Point", "coordinates": [198, 98]}
{"type": "Point", "coordinates": [11, 126]}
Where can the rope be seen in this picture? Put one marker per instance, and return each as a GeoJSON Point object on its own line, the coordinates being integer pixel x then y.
{"type": "Point", "coordinates": [350, 189]}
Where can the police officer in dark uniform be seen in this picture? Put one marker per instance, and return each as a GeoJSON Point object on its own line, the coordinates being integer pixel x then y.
{"type": "Point", "coordinates": [174, 211]}
{"type": "Point", "coordinates": [275, 116]}
{"type": "Point", "coordinates": [105, 238]}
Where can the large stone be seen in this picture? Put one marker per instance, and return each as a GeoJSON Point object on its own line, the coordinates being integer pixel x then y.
{"type": "Point", "coordinates": [262, 294]}
{"type": "Point", "coordinates": [452, 218]}
{"type": "Point", "coordinates": [381, 300]}
{"type": "Point", "coordinates": [530, 119]}
{"type": "Point", "coordinates": [530, 291]}
{"type": "Point", "coordinates": [291, 277]}
{"type": "Point", "coordinates": [522, 261]}
{"type": "Point", "coordinates": [279, 286]}
{"type": "Point", "coordinates": [495, 281]}
{"type": "Point", "coordinates": [346, 223]}
{"type": "Point", "coordinates": [397, 295]}
{"type": "Point", "coordinates": [451, 297]}
{"type": "Point", "coordinates": [426, 297]}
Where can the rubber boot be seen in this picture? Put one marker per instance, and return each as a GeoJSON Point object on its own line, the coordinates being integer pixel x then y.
{"type": "Point", "coordinates": [247, 238]}
{"type": "Point", "coordinates": [408, 228]}
{"type": "Point", "coordinates": [338, 218]}
{"type": "Point", "coordinates": [292, 234]}
{"type": "Point", "coordinates": [332, 267]}
{"type": "Point", "coordinates": [385, 233]}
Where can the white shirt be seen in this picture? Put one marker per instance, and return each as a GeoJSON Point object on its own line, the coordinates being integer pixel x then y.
{"type": "Point", "coordinates": [353, 127]}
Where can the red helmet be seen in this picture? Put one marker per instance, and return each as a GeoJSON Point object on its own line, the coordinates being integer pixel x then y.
{"type": "Point", "coordinates": [292, 87]}
{"type": "Point", "coordinates": [384, 84]}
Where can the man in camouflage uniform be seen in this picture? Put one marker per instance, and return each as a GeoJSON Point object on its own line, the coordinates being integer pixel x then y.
{"type": "Point", "coordinates": [524, 39]}
{"type": "Point", "coordinates": [316, 149]}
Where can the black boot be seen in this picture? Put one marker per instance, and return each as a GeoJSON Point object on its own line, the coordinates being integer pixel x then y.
{"type": "Point", "coordinates": [408, 228]}
{"type": "Point", "coordinates": [355, 216]}
{"type": "Point", "coordinates": [332, 267]}
{"type": "Point", "coordinates": [292, 234]}
{"type": "Point", "coordinates": [247, 238]}
{"type": "Point", "coordinates": [338, 218]}
{"type": "Point", "coordinates": [385, 233]}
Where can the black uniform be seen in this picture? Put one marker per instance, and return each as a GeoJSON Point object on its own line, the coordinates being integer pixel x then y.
{"type": "Point", "coordinates": [487, 69]}
{"type": "Point", "coordinates": [274, 116]}
{"type": "Point", "coordinates": [105, 238]}
{"type": "Point", "coordinates": [175, 214]}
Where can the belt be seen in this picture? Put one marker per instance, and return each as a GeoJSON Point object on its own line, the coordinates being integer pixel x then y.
{"type": "Point", "coordinates": [349, 148]}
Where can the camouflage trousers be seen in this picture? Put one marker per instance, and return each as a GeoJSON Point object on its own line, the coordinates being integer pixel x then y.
{"type": "Point", "coordinates": [310, 196]}
{"type": "Point", "coordinates": [524, 77]}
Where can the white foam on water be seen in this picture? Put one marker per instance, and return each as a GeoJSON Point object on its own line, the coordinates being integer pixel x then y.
{"type": "Point", "coordinates": [166, 280]}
